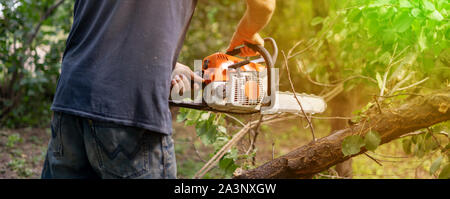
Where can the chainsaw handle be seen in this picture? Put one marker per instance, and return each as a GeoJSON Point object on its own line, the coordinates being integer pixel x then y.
{"type": "Point", "coordinates": [268, 58]}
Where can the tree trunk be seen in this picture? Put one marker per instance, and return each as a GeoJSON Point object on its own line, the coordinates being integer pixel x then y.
{"type": "Point", "coordinates": [390, 123]}
{"type": "Point", "coordinates": [343, 169]}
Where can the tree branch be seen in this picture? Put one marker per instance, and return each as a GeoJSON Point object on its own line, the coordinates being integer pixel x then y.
{"type": "Point", "coordinates": [312, 158]}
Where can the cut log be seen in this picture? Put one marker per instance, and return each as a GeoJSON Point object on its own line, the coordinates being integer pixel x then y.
{"type": "Point", "coordinates": [391, 123]}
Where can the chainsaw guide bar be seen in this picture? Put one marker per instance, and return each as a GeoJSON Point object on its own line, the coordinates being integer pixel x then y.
{"type": "Point", "coordinates": [284, 103]}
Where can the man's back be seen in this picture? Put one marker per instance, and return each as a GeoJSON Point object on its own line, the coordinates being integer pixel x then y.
{"type": "Point", "coordinates": [119, 58]}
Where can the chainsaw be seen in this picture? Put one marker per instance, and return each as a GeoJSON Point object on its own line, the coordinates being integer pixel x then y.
{"type": "Point", "coordinates": [243, 86]}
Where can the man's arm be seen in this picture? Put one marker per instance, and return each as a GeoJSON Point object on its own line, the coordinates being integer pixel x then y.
{"type": "Point", "coordinates": [256, 17]}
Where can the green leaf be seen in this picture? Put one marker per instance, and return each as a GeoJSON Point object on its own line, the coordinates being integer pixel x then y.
{"type": "Point", "coordinates": [379, 3]}
{"type": "Point", "coordinates": [372, 140]}
{"type": "Point", "coordinates": [193, 114]}
{"type": "Point", "coordinates": [222, 129]}
{"type": "Point", "coordinates": [436, 15]}
{"type": "Point", "coordinates": [316, 21]}
{"type": "Point", "coordinates": [206, 131]}
{"type": "Point", "coordinates": [415, 139]}
{"type": "Point", "coordinates": [204, 116]}
{"type": "Point", "coordinates": [354, 15]}
{"type": "Point", "coordinates": [435, 165]}
{"type": "Point", "coordinates": [403, 22]}
{"type": "Point", "coordinates": [422, 40]}
{"type": "Point", "coordinates": [190, 122]}
{"type": "Point", "coordinates": [407, 146]}
{"type": "Point", "coordinates": [227, 165]}
{"type": "Point", "coordinates": [419, 150]}
{"type": "Point", "coordinates": [181, 115]}
{"type": "Point", "coordinates": [232, 154]}
{"type": "Point", "coordinates": [352, 145]}
{"type": "Point", "coordinates": [445, 173]}
{"type": "Point", "coordinates": [405, 4]}
{"type": "Point", "coordinates": [220, 142]}
{"type": "Point", "coordinates": [428, 5]}
{"type": "Point", "coordinates": [224, 163]}
{"type": "Point", "coordinates": [430, 144]}
{"type": "Point", "coordinates": [415, 12]}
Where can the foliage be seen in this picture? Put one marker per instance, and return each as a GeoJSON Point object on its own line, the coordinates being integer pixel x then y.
{"type": "Point", "coordinates": [429, 143]}
{"type": "Point", "coordinates": [211, 28]}
{"type": "Point", "coordinates": [211, 130]}
{"type": "Point", "coordinates": [392, 42]}
{"type": "Point", "coordinates": [436, 164]}
{"type": "Point", "coordinates": [395, 42]}
{"type": "Point", "coordinates": [352, 144]}
{"type": "Point", "coordinates": [372, 140]}
{"type": "Point", "coordinates": [445, 173]}
{"type": "Point", "coordinates": [32, 39]}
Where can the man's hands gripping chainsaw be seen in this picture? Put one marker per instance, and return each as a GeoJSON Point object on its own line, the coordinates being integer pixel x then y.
{"type": "Point", "coordinates": [257, 16]}
{"type": "Point", "coordinates": [181, 80]}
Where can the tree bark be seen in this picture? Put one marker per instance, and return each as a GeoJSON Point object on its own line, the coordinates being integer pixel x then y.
{"type": "Point", "coordinates": [391, 123]}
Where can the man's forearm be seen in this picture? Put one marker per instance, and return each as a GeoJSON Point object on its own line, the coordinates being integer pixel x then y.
{"type": "Point", "coordinates": [257, 16]}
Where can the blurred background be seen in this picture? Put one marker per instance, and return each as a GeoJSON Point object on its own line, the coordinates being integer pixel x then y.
{"type": "Point", "coordinates": [347, 51]}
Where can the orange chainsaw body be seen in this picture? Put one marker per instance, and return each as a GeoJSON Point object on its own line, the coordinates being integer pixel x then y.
{"type": "Point", "coordinates": [215, 67]}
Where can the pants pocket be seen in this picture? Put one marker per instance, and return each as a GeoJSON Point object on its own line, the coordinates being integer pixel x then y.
{"type": "Point", "coordinates": [56, 146]}
{"type": "Point", "coordinates": [122, 152]}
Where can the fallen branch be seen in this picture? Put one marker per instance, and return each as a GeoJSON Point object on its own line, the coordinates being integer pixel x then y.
{"type": "Point", "coordinates": [312, 158]}
{"type": "Point", "coordinates": [308, 119]}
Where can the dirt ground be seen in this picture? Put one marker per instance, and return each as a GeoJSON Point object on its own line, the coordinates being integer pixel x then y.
{"type": "Point", "coordinates": [22, 152]}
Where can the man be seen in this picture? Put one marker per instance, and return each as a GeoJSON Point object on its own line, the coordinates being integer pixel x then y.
{"type": "Point", "coordinates": [111, 113]}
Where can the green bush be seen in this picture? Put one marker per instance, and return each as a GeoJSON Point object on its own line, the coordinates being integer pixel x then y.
{"type": "Point", "coordinates": [32, 40]}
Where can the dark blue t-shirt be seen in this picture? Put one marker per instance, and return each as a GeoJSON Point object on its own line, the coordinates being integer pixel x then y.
{"type": "Point", "coordinates": [118, 60]}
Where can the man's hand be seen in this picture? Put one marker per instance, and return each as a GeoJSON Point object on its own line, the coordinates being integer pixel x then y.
{"type": "Point", "coordinates": [181, 79]}
{"type": "Point", "coordinates": [240, 38]}
{"type": "Point", "coordinates": [257, 15]}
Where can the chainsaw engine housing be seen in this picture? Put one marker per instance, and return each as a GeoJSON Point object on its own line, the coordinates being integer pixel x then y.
{"type": "Point", "coordinates": [242, 89]}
